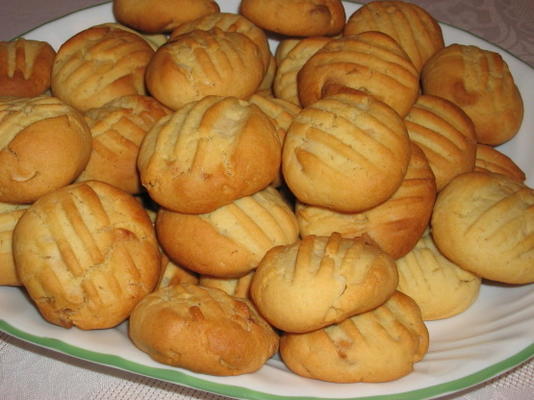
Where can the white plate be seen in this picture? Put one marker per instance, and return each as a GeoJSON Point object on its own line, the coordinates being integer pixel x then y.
{"type": "Point", "coordinates": [494, 335]}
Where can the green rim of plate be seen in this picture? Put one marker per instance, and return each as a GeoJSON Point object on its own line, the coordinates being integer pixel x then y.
{"type": "Point", "coordinates": [179, 377]}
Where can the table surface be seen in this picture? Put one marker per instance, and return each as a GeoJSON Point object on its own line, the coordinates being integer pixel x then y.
{"type": "Point", "coordinates": [506, 23]}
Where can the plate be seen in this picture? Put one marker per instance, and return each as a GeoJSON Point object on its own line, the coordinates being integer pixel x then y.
{"type": "Point", "coordinates": [491, 337]}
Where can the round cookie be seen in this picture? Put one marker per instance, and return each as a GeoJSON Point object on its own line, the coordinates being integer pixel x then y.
{"type": "Point", "coordinates": [320, 280]}
{"type": "Point", "coordinates": [348, 152]}
{"type": "Point", "coordinates": [376, 346]}
{"type": "Point", "coordinates": [445, 134]}
{"type": "Point", "coordinates": [292, 55]}
{"type": "Point", "coordinates": [480, 83]}
{"type": "Point", "coordinates": [440, 288]}
{"type": "Point", "coordinates": [118, 128]}
{"type": "Point", "coordinates": [44, 145]}
{"type": "Point", "coordinates": [173, 274]}
{"type": "Point", "coordinates": [203, 63]}
{"type": "Point", "coordinates": [417, 32]}
{"type": "Point", "coordinates": [238, 287]}
{"type": "Point", "coordinates": [9, 216]}
{"type": "Point", "coordinates": [98, 65]}
{"type": "Point", "coordinates": [231, 240]}
{"type": "Point", "coordinates": [229, 22]}
{"type": "Point", "coordinates": [25, 67]}
{"type": "Point", "coordinates": [86, 254]}
{"type": "Point", "coordinates": [484, 223]}
{"type": "Point", "coordinates": [296, 17]}
{"type": "Point", "coordinates": [489, 159]}
{"type": "Point", "coordinates": [203, 330]}
{"type": "Point", "coordinates": [208, 154]}
{"type": "Point", "coordinates": [371, 62]}
{"type": "Point", "coordinates": [156, 16]}
{"type": "Point", "coordinates": [395, 225]}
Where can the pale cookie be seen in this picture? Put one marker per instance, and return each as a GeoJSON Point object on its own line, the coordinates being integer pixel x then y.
{"type": "Point", "coordinates": [203, 330]}
{"type": "Point", "coordinates": [9, 216]}
{"type": "Point", "coordinates": [489, 159]}
{"type": "Point", "coordinates": [377, 346]}
{"type": "Point", "coordinates": [238, 287]}
{"type": "Point", "coordinates": [319, 281]}
{"type": "Point", "coordinates": [440, 288]}
{"type": "Point", "coordinates": [484, 222]}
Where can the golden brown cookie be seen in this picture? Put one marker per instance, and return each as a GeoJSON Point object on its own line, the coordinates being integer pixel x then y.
{"type": "Point", "coordinates": [203, 330]}
{"type": "Point", "coordinates": [417, 32]}
{"type": "Point", "coordinates": [489, 159]}
{"type": "Point", "coordinates": [377, 346]}
{"type": "Point", "coordinates": [161, 15]}
{"type": "Point", "coordinates": [440, 288]}
{"type": "Point", "coordinates": [348, 152]}
{"type": "Point", "coordinates": [98, 65]}
{"type": "Point", "coordinates": [118, 128]}
{"type": "Point", "coordinates": [371, 62]}
{"type": "Point", "coordinates": [25, 67]}
{"type": "Point", "coordinates": [480, 83]}
{"type": "Point", "coordinates": [395, 225]}
{"type": "Point", "coordinates": [321, 280]}
{"type": "Point", "coordinates": [208, 154]}
{"type": "Point", "coordinates": [86, 254]}
{"type": "Point", "coordinates": [202, 63]}
{"type": "Point", "coordinates": [44, 145]}
{"type": "Point", "coordinates": [231, 240]}
{"type": "Point", "coordinates": [174, 274]}
{"type": "Point", "coordinates": [9, 216]}
{"type": "Point", "coordinates": [445, 134]}
{"type": "Point", "coordinates": [296, 17]}
{"type": "Point", "coordinates": [484, 222]}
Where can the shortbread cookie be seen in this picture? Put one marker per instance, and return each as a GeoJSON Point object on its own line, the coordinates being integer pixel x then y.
{"type": "Point", "coordinates": [395, 225]}
{"type": "Point", "coordinates": [202, 63]}
{"type": "Point", "coordinates": [291, 58]}
{"type": "Point", "coordinates": [440, 288]}
{"type": "Point", "coordinates": [370, 61]}
{"type": "Point", "coordinates": [377, 346]}
{"type": "Point", "coordinates": [445, 134]}
{"type": "Point", "coordinates": [489, 159]}
{"type": "Point", "coordinates": [156, 16]}
{"type": "Point", "coordinates": [320, 280]}
{"type": "Point", "coordinates": [229, 22]}
{"type": "Point", "coordinates": [25, 67]}
{"type": "Point", "coordinates": [296, 17]}
{"type": "Point", "coordinates": [44, 145]}
{"type": "Point", "coordinates": [238, 287]}
{"type": "Point", "coordinates": [118, 128]}
{"type": "Point", "coordinates": [203, 330]}
{"type": "Point", "coordinates": [208, 154]}
{"type": "Point", "coordinates": [484, 222]}
{"type": "Point", "coordinates": [231, 240]}
{"type": "Point", "coordinates": [86, 254]}
{"type": "Point", "coordinates": [155, 40]}
{"type": "Point", "coordinates": [98, 65]}
{"type": "Point", "coordinates": [348, 152]}
{"type": "Point", "coordinates": [480, 83]}
{"type": "Point", "coordinates": [9, 216]}
{"type": "Point", "coordinates": [417, 32]}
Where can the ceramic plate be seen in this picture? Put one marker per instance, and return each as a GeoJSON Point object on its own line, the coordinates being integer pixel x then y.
{"type": "Point", "coordinates": [491, 337]}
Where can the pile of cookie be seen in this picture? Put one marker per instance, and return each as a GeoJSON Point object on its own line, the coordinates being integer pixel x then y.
{"type": "Point", "coordinates": [322, 199]}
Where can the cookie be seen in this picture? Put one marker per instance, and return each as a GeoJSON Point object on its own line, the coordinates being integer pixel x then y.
{"type": "Point", "coordinates": [321, 280]}
{"type": "Point", "coordinates": [203, 330]}
{"type": "Point", "coordinates": [9, 216]}
{"type": "Point", "coordinates": [489, 159]}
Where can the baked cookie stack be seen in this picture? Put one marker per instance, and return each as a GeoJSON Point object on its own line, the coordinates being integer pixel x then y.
{"type": "Point", "coordinates": [284, 179]}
